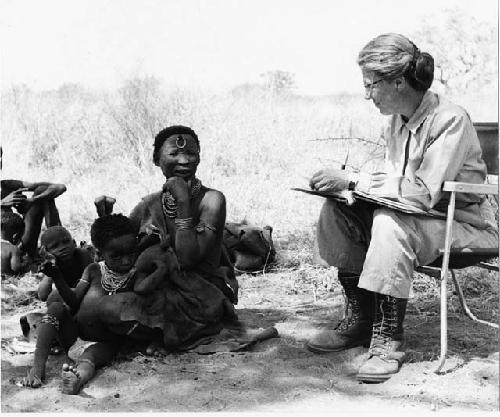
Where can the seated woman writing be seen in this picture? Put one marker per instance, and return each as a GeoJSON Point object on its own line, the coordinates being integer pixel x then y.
{"type": "Point", "coordinates": [429, 140]}
{"type": "Point", "coordinates": [196, 297]}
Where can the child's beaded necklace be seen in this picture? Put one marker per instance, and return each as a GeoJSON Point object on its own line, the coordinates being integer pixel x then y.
{"type": "Point", "coordinates": [112, 281]}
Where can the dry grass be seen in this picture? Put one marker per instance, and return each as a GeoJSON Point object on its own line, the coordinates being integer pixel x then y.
{"type": "Point", "coordinates": [255, 147]}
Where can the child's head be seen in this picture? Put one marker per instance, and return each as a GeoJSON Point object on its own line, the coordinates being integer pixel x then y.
{"type": "Point", "coordinates": [58, 242]}
{"type": "Point", "coordinates": [115, 237]}
{"type": "Point", "coordinates": [12, 227]}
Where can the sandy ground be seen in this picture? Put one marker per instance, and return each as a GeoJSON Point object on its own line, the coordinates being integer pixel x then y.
{"type": "Point", "coordinates": [277, 375]}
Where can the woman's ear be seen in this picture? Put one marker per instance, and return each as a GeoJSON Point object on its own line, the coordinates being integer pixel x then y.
{"type": "Point", "coordinates": [400, 83]}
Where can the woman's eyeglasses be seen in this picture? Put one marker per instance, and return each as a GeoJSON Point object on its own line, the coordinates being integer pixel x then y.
{"type": "Point", "coordinates": [369, 87]}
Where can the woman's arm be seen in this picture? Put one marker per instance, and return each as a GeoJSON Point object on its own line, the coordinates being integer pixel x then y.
{"type": "Point", "coordinates": [45, 190]}
{"type": "Point", "coordinates": [14, 198]}
{"type": "Point", "coordinates": [192, 246]}
{"type": "Point", "coordinates": [444, 157]}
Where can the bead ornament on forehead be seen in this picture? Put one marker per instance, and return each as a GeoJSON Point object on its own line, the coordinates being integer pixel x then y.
{"type": "Point", "coordinates": [180, 142]}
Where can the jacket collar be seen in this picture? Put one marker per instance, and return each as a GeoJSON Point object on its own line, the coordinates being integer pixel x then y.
{"type": "Point", "coordinates": [428, 103]}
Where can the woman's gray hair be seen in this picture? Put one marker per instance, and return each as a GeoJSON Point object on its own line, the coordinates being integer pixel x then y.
{"type": "Point", "coordinates": [392, 55]}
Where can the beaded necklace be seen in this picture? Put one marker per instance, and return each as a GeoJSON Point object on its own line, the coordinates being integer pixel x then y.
{"type": "Point", "coordinates": [170, 205]}
{"type": "Point", "coordinates": [112, 281]}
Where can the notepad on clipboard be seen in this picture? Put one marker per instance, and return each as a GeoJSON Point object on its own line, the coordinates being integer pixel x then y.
{"type": "Point", "coordinates": [350, 197]}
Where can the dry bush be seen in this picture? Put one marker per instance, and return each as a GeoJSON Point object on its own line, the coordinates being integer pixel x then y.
{"type": "Point", "coordinates": [255, 145]}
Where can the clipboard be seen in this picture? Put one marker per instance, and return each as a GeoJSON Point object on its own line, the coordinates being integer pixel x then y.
{"type": "Point", "coordinates": [350, 197]}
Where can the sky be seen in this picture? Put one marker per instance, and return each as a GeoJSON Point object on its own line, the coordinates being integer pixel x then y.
{"type": "Point", "coordinates": [211, 44]}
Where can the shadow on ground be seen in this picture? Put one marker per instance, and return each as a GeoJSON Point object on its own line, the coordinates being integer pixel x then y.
{"type": "Point", "coordinates": [278, 373]}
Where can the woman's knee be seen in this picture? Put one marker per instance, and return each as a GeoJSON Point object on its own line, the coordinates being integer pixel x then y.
{"type": "Point", "coordinates": [389, 224]}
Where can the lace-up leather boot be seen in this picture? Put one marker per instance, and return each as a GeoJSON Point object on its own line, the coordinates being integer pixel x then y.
{"type": "Point", "coordinates": [385, 353]}
{"type": "Point", "coordinates": [356, 326]}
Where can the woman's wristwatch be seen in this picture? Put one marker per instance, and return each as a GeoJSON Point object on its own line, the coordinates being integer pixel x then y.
{"type": "Point", "coordinates": [353, 181]}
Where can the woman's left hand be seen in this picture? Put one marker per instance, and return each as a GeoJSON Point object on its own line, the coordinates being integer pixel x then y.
{"type": "Point", "coordinates": [330, 180]}
{"type": "Point", "coordinates": [178, 188]}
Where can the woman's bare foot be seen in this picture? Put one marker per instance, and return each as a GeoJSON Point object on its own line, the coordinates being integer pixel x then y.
{"type": "Point", "coordinates": [33, 379]}
{"type": "Point", "coordinates": [74, 377]}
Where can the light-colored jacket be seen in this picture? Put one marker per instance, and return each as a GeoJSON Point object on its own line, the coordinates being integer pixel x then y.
{"type": "Point", "coordinates": [437, 144]}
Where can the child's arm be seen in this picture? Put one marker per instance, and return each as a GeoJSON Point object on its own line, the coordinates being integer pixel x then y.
{"type": "Point", "coordinates": [44, 288]}
{"type": "Point", "coordinates": [71, 297]}
{"type": "Point", "coordinates": [16, 261]}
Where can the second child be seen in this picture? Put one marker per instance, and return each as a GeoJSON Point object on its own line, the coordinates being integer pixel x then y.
{"type": "Point", "coordinates": [90, 316]}
{"type": "Point", "coordinates": [59, 248]}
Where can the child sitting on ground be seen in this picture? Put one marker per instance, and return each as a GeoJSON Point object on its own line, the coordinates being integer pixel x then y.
{"type": "Point", "coordinates": [12, 229]}
{"type": "Point", "coordinates": [90, 317]}
{"type": "Point", "coordinates": [57, 242]}
{"type": "Point", "coordinates": [58, 247]}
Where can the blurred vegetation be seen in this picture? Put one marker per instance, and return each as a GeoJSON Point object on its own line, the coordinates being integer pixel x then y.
{"type": "Point", "coordinates": [465, 51]}
{"type": "Point", "coordinates": [257, 140]}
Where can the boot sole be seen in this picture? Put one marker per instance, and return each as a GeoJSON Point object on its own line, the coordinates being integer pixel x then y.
{"type": "Point", "coordinates": [373, 378]}
{"type": "Point", "coordinates": [317, 349]}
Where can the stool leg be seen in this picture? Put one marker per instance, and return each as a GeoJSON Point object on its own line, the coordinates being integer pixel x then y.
{"type": "Point", "coordinates": [464, 305]}
{"type": "Point", "coordinates": [444, 281]}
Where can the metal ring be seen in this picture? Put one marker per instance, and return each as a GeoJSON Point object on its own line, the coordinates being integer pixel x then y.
{"type": "Point", "coordinates": [180, 142]}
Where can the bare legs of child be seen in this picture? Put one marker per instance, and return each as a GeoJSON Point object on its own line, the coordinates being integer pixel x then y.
{"type": "Point", "coordinates": [114, 308]}
{"type": "Point", "coordinates": [108, 327]}
{"type": "Point", "coordinates": [56, 323]}
{"type": "Point", "coordinates": [97, 356]}
{"type": "Point", "coordinates": [94, 357]}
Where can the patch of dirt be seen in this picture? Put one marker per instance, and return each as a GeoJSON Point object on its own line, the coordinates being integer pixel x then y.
{"type": "Point", "coordinates": [279, 374]}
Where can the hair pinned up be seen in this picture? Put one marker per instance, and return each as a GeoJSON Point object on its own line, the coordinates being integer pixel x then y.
{"type": "Point", "coordinates": [393, 55]}
{"type": "Point", "coordinates": [109, 227]}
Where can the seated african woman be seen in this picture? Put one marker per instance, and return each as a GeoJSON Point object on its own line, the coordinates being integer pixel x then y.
{"type": "Point", "coordinates": [198, 299]}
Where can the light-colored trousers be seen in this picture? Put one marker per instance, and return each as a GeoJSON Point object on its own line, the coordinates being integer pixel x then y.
{"type": "Point", "coordinates": [384, 246]}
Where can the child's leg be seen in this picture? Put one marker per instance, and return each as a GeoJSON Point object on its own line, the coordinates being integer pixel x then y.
{"type": "Point", "coordinates": [111, 309]}
{"type": "Point", "coordinates": [94, 357]}
{"type": "Point", "coordinates": [33, 223]}
{"type": "Point", "coordinates": [50, 213]}
{"type": "Point", "coordinates": [56, 322]}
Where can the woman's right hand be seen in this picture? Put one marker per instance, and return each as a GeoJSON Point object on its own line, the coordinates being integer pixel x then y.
{"type": "Point", "coordinates": [178, 188]}
{"type": "Point", "coordinates": [14, 199]}
{"type": "Point", "coordinates": [330, 180]}
{"type": "Point", "coordinates": [104, 205]}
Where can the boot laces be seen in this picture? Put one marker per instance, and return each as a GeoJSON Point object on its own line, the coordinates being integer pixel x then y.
{"type": "Point", "coordinates": [351, 313]}
{"type": "Point", "coordinates": [384, 328]}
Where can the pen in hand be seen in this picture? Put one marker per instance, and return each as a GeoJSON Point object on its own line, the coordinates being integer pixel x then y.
{"type": "Point", "coordinates": [343, 166]}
